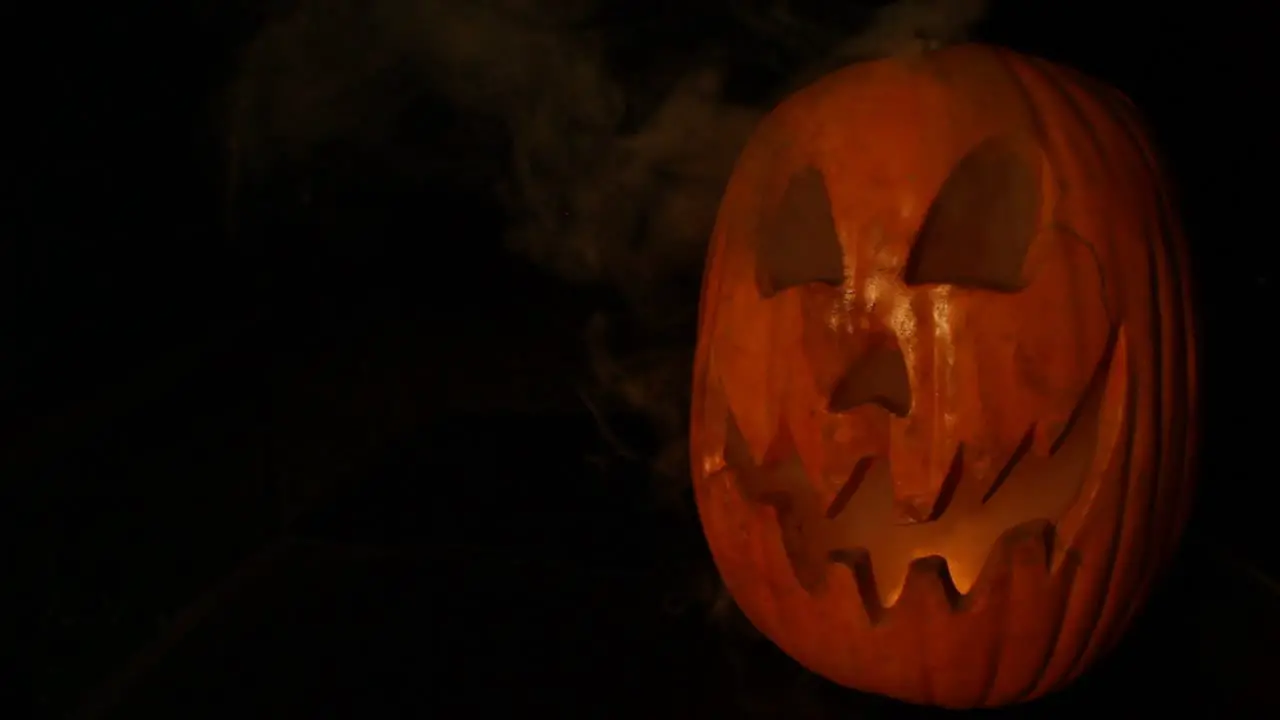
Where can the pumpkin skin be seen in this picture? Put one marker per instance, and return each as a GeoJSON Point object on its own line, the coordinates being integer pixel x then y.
{"type": "Point", "coordinates": [943, 403]}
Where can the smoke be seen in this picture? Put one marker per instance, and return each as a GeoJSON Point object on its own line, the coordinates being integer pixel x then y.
{"type": "Point", "coordinates": [622, 132]}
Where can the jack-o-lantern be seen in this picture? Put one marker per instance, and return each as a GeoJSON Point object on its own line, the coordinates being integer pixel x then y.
{"type": "Point", "coordinates": [944, 389]}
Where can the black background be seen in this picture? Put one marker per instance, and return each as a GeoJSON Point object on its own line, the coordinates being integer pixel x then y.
{"type": "Point", "coordinates": [178, 397]}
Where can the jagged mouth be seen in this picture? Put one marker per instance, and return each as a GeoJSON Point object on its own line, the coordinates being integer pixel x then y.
{"type": "Point", "coordinates": [977, 523]}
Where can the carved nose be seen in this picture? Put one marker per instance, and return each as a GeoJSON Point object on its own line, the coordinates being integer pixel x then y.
{"type": "Point", "coordinates": [878, 377]}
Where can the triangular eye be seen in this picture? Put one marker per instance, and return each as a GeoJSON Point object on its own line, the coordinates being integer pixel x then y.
{"type": "Point", "coordinates": [979, 228]}
{"type": "Point", "coordinates": [798, 243]}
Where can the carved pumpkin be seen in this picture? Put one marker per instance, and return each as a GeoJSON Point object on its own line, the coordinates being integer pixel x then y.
{"type": "Point", "coordinates": [943, 395]}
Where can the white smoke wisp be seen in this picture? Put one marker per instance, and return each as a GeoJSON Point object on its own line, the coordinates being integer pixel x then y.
{"type": "Point", "coordinates": [603, 185]}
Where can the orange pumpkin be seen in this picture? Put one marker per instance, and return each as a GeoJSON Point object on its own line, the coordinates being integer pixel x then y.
{"type": "Point", "coordinates": [944, 389]}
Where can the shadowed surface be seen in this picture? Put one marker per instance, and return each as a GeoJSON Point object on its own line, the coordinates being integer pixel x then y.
{"type": "Point", "coordinates": [426, 591]}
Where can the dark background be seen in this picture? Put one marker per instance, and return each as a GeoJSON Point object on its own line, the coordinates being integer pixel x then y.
{"type": "Point", "coordinates": [325, 452]}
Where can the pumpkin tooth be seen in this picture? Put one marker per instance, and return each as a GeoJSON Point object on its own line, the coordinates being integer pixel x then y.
{"type": "Point", "coordinates": [1052, 434]}
{"type": "Point", "coordinates": [850, 488]}
{"type": "Point", "coordinates": [928, 581]}
{"type": "Point", "coordinates": [1010, 462]}
{"type": "Point", "coordinates": [928, 588]}
{"type": "Point", "coordinates": [925, 470]}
